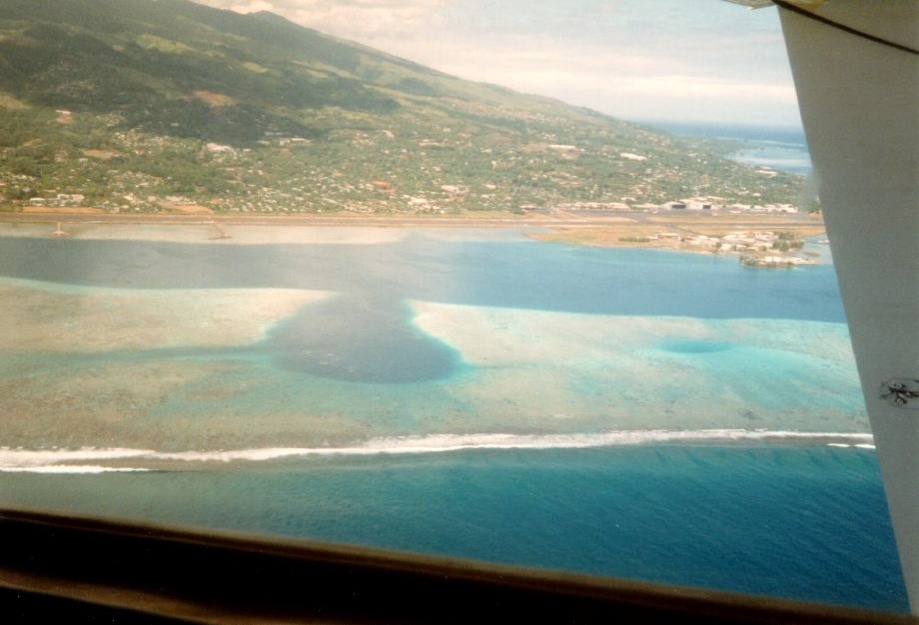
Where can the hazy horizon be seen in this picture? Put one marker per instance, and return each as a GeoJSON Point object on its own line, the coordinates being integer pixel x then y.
{"type": "Point", "coordinates": [694, 61]}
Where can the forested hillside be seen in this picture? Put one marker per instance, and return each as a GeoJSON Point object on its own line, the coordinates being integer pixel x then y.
{"type": "Point", "coordinates": [141, 104]}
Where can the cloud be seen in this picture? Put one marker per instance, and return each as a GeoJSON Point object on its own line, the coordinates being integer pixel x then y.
{"type": "Point", "coordinates": [242, 6]}
{"type": "Point", "coordinates": [620, 80]}
{"type": "Point", "coordinates": [697, 88]}
{"type": "Point", "coordinates": [689, 59]}
{"type": "Point", "coordinates": [353, 19]}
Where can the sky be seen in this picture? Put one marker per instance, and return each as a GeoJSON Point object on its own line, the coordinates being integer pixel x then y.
{"type": "Point", "coordinates": [642, 60]}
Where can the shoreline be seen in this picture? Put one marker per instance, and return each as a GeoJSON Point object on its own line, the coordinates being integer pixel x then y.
{"type": "Point", "coordinates": [678, 232]}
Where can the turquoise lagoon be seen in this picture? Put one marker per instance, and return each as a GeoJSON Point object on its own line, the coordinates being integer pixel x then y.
{"type": "Point", "coordinates": [663, 416]}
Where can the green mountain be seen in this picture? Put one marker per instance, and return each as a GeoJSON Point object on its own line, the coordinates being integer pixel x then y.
{"type": "Point", "coordinates": [132, 102]}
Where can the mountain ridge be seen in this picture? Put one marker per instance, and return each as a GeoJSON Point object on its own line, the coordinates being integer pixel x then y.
{"type": "Point", "coordinates": [254, 112]}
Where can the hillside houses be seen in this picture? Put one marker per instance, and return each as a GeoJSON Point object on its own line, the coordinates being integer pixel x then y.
{"type": "Point", "coordinates": [60, 200]}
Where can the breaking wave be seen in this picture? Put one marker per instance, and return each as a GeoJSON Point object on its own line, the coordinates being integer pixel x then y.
{"type": "Point", "coordinates": [87, 460]}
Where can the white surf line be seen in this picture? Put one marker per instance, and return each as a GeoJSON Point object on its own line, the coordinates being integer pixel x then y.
{"type": "Point", "coordinates": [70, 460]}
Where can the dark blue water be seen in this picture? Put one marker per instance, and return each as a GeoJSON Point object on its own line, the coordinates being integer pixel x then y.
{"type": "Point", "coordinates": [799, 522]}
{"type": "Point", "coordinates": [783, 148]}
{"type": "Point", "coordinates": [784, 134]}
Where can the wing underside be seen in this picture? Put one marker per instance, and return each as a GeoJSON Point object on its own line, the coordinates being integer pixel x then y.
{"type": "Point", "coordinates": [856, 71]}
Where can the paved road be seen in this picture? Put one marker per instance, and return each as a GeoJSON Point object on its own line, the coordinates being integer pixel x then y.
{"type": "Point", "coordinates": [682, 220]}
{"type": "Point", "coordinates": [280, 220]}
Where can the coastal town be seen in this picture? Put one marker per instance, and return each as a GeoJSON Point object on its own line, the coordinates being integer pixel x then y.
{"type": "Point", "coordinates": [768, 242]}
{"type": "Point", "coordinates": [425, 150]}
{"type": "Point", "coordinates": [769, 238]}
{"type": "Point", "coordinates": [185, 205]}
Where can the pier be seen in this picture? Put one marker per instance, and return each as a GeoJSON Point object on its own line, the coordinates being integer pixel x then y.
{"type": "Point", "coordinates": [59, 231]}
{"type": "Point", "coordinates": [221, 233]}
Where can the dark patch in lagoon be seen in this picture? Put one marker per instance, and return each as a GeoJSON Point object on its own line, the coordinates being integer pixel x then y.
{"type": "Point", "coordinates": [366, 335]}
{"type": "Point", "coordinates": [696, 347]}
{"type": "Point", "coordinates": [359, 338]}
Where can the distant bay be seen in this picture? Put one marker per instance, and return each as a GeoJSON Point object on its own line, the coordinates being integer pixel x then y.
{"type": "Point", "coordinates": [782, 148]}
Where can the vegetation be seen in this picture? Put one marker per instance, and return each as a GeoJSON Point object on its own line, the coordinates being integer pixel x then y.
{"type": "Point", "coordinates": [787, 241]}
{"type": "Point", "coordinates": [139, 105]}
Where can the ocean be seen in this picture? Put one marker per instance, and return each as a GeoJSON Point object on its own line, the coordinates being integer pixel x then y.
{"type": "Point", "coordinates": [678, 418]}
{"type": "Point", "coordinates": [783, 148]}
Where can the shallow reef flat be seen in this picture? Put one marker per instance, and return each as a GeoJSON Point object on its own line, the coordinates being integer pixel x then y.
{"type": "Point", "coordinates": [475, 335]}
{"type": "Point", "coordinates": [559, 371]}
{"type": "Point", "coordinates": [176, 371]}
{"type": "Point", "coordinates": [46, 317]}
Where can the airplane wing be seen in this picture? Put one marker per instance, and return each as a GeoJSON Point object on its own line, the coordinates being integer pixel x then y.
{"type": "Point", "coordinates": [856, 70]}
